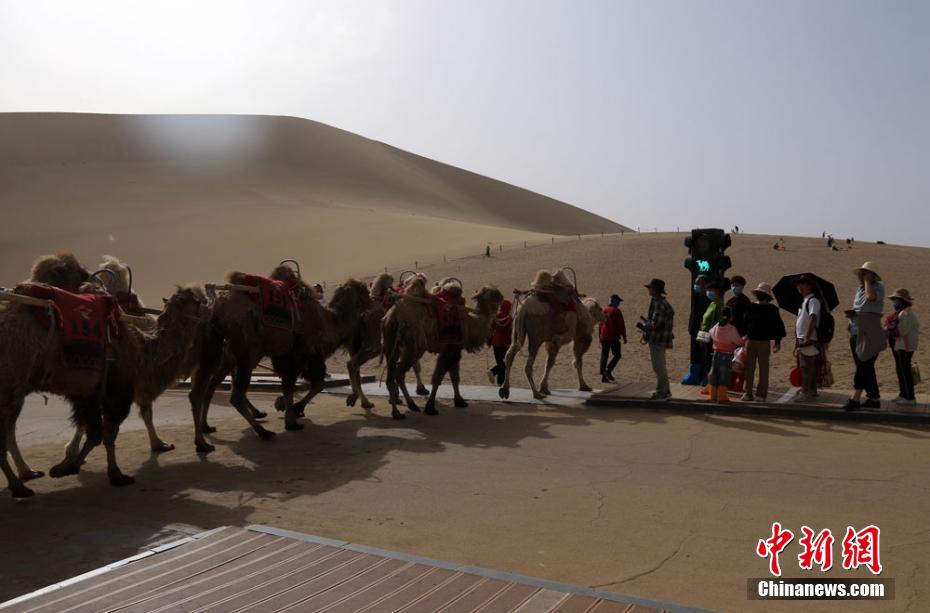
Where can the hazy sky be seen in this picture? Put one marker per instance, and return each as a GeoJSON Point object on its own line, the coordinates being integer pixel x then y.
{"type": "Point", "coordinates": [782, 116]}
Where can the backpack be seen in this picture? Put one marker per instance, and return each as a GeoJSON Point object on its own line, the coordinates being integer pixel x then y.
{"type": "Point", "coordinates": [826, 325]}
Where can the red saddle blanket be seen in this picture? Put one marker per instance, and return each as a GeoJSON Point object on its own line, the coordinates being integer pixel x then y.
{"type": "Point", "coordinates": [447, 309]}
{"type": "Point", "coordinates": [86, 322]}
{"type": "Point", "coordinates": [280, 301]}
{"type": "Point", "coordinates": [562, 299]}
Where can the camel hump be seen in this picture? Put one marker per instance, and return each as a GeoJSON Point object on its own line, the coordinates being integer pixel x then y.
{"type": "Point", "coordinates": [381, 284]}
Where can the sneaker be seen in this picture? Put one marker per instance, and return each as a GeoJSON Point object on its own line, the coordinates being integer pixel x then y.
{"type": "Point", "coordinates": [905, 401]}
{"type": "Point", "coordinates": [852, 405]}
{"type": "Point", "coordinates": [605, 379]}
{"type": "Point", "coordinates": [872, 403]}
{"type": "Point", "coordinates": [802, 397]}
{"type": "Point", "coordinates": [747, 397]}
{"type": "Point", "coordinates": [660, 397]}
{"type": "Point", "coordinates": [610, 376]}
{"type": "Point", "coordinates": [761, 398]}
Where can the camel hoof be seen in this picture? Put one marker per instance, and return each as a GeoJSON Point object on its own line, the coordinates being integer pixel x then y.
{"type": "Point", "coordinates": [259, 415]}
{"type": "Point", "coordinates": [422, 391]}
{"type": "Point", "coordinates": [368, 405]}
{"type": "Point", "coordinates": [504, 393]}
{"type": "Point", "coordinates": [431, 410]}
{"type": "Point", "coordinates": [298, 411]}
{"type": "Point", "coordinates": [120, 480]}
{"type": "Point", "coordinates": [205, 448]}
{"type": "Point", "coordinates": [398, 415]}
{"type": "Point", "coordinates": [539, 396]}
{"type": "Point", "coordinates": [208, 429]}
{"type": "Point", "coordinates": [460, 403]}
{"type": "Point", "coordinates": [413, 407]}
{"type": "Point", "coordinates": [265, 435]}
{"type": "Point", "coordinates": [585, 388]}
{"type": "Point", "coordinates": [544, 391]}
{"type": "Point", "coordinates": [30, 474]}
{"type": "Point", "coordinates": [64, 469]}
{"type": "Point", "coordinates": [161, 447]}
{"type": "Point", "coordinates": [293, 427]}
{"type": "Point", "coordinates": [21, 491]}
{"type": "Point", "coordinates": [350, 400]}
{"type": "Point", "coordinates": [279, 404]}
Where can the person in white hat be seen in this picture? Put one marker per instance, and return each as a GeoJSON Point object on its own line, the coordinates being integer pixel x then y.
{"type": "Point", "coordinates": [866, 337]}
{"type": "Point", "coordinates": [764, 325]}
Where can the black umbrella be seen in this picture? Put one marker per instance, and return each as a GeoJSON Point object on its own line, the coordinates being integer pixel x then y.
{"type": "Point", "coordinates": [788, 297]}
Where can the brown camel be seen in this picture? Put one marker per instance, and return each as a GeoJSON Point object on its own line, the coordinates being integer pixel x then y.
{"type": "Point", "coordinates": [61, 270]}
{"type": "Point", "coordinates": [120, 284]}
{"type": "Point", "coordinates": [540, 321]}
{"type": "Point", "coordinates": [366, 344]}
{"type": "Point", "coordinates": [138, 363]}
{"type": "Point", "coordinates": [415, 325]}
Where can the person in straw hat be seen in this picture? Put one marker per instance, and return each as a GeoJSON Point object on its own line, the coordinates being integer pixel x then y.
{"type": "Point", "coordinates": [764, 326]}
{"type": "Point", "coordinates": [657, 332]}
{"type": "Point", "coordinates": [905, 344]}
{"type": "Point", "coordinates": [866, 337]}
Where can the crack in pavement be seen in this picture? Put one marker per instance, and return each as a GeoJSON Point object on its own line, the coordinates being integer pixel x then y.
{"type": "Point", "coordinates": [649, 571]}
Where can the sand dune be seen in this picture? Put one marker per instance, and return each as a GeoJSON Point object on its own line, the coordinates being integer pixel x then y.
{"type": "Point", "coordinates": [191, 197]}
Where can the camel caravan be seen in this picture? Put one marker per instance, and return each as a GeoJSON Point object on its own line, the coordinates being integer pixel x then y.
{"type": "Point", "coordinates": [87, 337]}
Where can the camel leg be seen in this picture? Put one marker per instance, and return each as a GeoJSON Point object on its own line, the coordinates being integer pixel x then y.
{"type": "Point", "coordinates": [155, 443]}
{"type": "Point", "coordinates": [552, 352]}
{"type": "Point", "coordinates": [25, 472]}
{"type": "Point", "coordinates": [402, 384]}
{"type": "Point", "coordinates": [528, 369]}
{"type": "Point", "coordinates": [73, 448]}
{"type": "Point", "coordinates": [504, 391]}
{"type": "Point", "coordinates": [439, 373]}
{"type": "Point", "coordinates": [454, 375]}
{"type": "Point", "coordinates": [211, 357]}
{"type": "Point", "coordinates": [421, 389]}
{"type": "Point", "coordinates": [111, 421]}
{"type": "Point", "coordinates": [242, 375]}
{"type": "Point", "coordinates": [88, 417]}
{"type": "Point", "coordinates": [578, 362]}
{"type": "Point", "coordinates": [352, 368]}
{"type": "Point", "coordinates": [7, 426]}
{"type": "Point", "coordinates": [286, 367]}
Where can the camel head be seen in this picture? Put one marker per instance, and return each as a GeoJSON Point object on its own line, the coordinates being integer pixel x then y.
{"type": "Point", "coordinates": [416, 285]}
{"type": "Point", "coordinates": [594, 310]}
{"type": "Point", "coordinates": [283, 272]}
{"type": "Point", "coordinates": [350, 298]}
{"type": "Point", "coordinates": [120, 280]}
{"type": "Point", "coordinates": [187, 304]}
{"type": "Point", "coordinates": [381, 284]}
{"type": "Point", "coordinates": [489, 300]}
{"type": "Point", "coordinates": [61, 270]}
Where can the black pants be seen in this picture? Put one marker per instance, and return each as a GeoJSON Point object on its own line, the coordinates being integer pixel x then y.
{"type": "Point", "coordinates": [902, 362]}
{"type": "Point", "coordinates": [499, 369]}
{"type": "Point", "coordinates": [865, 378]}
{"type": "Point", "coordinates": [698, 351]}
{"type": "Point", "coordinates": [608, 347]}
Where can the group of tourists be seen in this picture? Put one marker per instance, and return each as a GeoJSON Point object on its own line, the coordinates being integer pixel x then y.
{"type": "Point", "coordinates": [733, 338]}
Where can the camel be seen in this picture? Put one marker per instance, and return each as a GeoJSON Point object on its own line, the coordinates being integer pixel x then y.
{"type": "Point", "coordinates": [119, 284]}
{"type": "Point", "coordinates": [237, 325]}
{"type": "Point", "coordinates": [410, 329]}
{"type": "Point", "coordinates": [366, 344]}
{"type": "Point", "coordinates": [32, 359]}
{"type": "Point", "coordinates": [538, 322]}
{"type": "Point", "coordinates": [61, 270]}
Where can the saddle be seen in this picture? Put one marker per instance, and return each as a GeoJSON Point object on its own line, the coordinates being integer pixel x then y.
{"type": "Point", "coordinates": [86, 322]}
{"type": "Point", "coordinates": [448, 312]}
{"type": "Point", "coordinates": [280, 302]}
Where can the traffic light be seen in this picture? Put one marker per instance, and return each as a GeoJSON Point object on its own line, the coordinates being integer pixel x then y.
{"type": "Point", "coordinates": [705, 250]}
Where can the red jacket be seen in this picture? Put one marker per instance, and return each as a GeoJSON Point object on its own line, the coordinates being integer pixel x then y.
{"type": "Point", "coordinates": [502, 326]}
{"type": "Point", "coordinates": [614, 327]}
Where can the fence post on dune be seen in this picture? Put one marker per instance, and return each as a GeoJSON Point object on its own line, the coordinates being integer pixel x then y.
{"type": "Point", "coordinates": [416, 265]}
{"type": "Point", "coordinates": [524, 244]}
{"type": "Point", "coordinates": [500, 247]}
{"type": "Point", "coordinates": [553, 240]}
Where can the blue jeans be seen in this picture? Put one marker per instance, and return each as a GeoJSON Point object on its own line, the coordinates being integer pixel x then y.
{"type": "Point", "coordinates": [721, 368]}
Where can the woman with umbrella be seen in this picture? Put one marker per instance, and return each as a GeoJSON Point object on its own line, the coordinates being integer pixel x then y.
{"type": "Point", "coordinates": [866, 337]}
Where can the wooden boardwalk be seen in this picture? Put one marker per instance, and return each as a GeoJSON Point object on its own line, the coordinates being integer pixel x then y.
{"type": "Point", "coordinates": [778, 404]}
{"type": "Point", "coordinates": [264, 569]}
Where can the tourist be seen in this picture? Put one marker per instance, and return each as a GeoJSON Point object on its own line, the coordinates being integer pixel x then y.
{"type": "Point", "coordinates": [908, 332]}
{"type": "Point", "coordinates": [697, 372]}
{"type": "Point", "coordinates": [806, 346]}
{"type": "Point", "coordinates": [714, 294]}
{"type": "Point", "coordinates": [739, 304]}
{"type": "Point", "coordinates": [612, 331]}
{"type": "Point", "coordinates": [658, 335]}
{"type": "Point", "coordinates": [866, 337]}
{"type": "Point", "coordinates": [765, 326]}
{"type": "Point", "coordinates": [499, 341]}
{"type": "Point", "coordinates": [725, 338]}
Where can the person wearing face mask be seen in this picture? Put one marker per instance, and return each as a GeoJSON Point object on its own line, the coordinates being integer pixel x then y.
{"type": "Point", "coordinates": [711, 318]}
{"type": "Point", "coordinates": [697, 371]}
{"type": "Point", "coordinates": [905, 344]}
{"type": "Point", "coordinates": [867, 339]}
{"type": "Point", "coordinates": [739, 304]}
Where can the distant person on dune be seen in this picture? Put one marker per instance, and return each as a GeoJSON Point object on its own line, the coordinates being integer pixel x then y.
{"type": "Point", "coordinates": [867, 339]}
{"type": "Point", "coordinates": [657, 333]}
{"type": "Point", "coordinates": [499, 341]}
{"type": "Point", "coordinates": [765, 326]}
{"type": "Point", "coordinates": [612, 332]}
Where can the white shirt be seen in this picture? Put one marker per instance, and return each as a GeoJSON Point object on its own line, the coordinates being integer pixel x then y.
{"type": "Point", "coordinates": [809, 308]}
